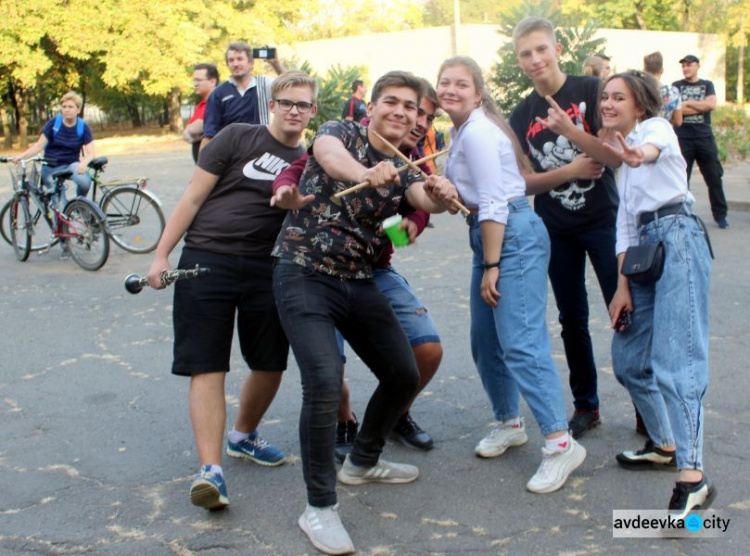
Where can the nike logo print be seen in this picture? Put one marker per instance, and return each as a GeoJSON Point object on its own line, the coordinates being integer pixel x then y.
{"type": "Point", "coordinates": [265, 167]}
{"type": "Point", "coordinates": [250, 171]}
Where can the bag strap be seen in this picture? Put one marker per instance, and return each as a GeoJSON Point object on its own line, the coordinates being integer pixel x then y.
{"type": "Point", "coordinates": [57, 126]}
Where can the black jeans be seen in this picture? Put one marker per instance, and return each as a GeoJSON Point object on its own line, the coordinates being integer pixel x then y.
{"type": "Point", "coordinates": [312, 306]}
{"type": "Point", "coordinates": [703, 150]}
{"type": "Point", "coordinates": [567, 273]}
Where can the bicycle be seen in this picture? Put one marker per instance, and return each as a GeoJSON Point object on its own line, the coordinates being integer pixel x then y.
{"type": "Point", "coordinates": [80, 224]}
{"type": "Point", "coordinates": [135, 220]}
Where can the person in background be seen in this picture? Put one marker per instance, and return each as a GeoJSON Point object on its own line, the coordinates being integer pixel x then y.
{"type": "Point", "coordinates": [607, 69]}
{"type": "Point", "coordinates": [355, 108]}
{"type": "Point", "coordinates": [593, 66]}
{"type": "Point", "coordinates": [68, 143]}
{"type": "Point", "coordinates": [205, 79]}
{"type": "Point", "coordinates": [697, 141]}
{"type": "Point", "coordinates": [241, 98]}
{"type": "Point", "coordinates": [671, 101]}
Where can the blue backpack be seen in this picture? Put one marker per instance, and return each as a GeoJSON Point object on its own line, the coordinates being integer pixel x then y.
{"type": "Point", "coordinates": [57, 126]}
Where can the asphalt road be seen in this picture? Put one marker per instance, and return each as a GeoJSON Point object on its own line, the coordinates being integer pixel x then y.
{"type": "Point", "coordinates": [96, 449]}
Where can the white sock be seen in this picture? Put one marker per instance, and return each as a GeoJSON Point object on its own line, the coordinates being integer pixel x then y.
{"type": "Point", "coordinates": [514, 422]}
{"type": "Point", "coordinates": [237, 436]}
{"type": "Point", "coordinates": [217, 469]}
{"type": "Point", "coordinates": [559, 444]}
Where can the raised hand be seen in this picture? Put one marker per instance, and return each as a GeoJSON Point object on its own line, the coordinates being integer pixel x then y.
{"type": "Point", "coordinates": [288, 197]}
{"type": "Point", "coordinates": [632, 156]}
{"type": "Point", "coordinates": [557, 120]}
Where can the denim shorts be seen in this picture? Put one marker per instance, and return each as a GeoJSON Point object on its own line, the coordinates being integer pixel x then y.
{"type": "Point", "coordinates": [411, 312]}
{"type": "Point", "coordinates": [205, 310]}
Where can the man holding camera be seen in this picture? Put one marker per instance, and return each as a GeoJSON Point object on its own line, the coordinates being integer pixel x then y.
{"type": "Point", "coordinates": [242, 98]}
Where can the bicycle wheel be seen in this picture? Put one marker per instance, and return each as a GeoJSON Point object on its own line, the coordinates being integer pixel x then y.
{"type": "Point", "coordinates": [89, 243]}
{"type": "Point", "coordinates": [134, 220]}
{"type": "Point", "coordinates": [20, 227]}
{"type": "Point", "coordinates": [37, 243]}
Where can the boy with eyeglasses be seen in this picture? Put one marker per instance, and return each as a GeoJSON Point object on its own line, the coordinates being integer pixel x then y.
{"type": "Point", "coordinates": [230, 227]}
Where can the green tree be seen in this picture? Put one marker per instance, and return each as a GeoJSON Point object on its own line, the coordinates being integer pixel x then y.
{"type": "Point", "coordinates": [507, 79]}
{"type": "Point", "coordinates": [662, 15]}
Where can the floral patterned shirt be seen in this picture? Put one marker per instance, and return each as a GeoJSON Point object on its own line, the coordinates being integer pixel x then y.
{"type": "Point", "coordinates": [342, 237]}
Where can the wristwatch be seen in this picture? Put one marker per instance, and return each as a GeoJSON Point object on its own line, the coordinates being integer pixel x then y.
{"type": "Point", "coordinates": [491, 265]}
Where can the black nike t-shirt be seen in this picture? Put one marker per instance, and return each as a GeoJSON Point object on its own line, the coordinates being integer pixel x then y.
{"type": "Point", "coordinates": [236, 217]}
{"type": "Point", "coordinates": [578, 205]}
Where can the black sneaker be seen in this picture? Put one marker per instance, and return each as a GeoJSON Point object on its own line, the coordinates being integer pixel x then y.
{"type": "Point", "coordinates": [408, 433]}
{"type": "Point", "coordinates": [650, 457]}
{"type": "Point", "coordinates": [582, 421]}
{"type": "Point", "coordinates": [687, 497]}
{"type": "Point", "coordinates": [346, 432]}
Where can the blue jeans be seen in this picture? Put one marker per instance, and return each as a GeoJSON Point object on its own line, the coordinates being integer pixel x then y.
{"type": "Point", "coordinates": [510, 343]}
{"type": "Point", "coordinates": [82, 181]}
{"type": "Point", "coordinates": [663, 357]}
{"type": "Point", "coordinates": [312, 306]}
{"type": "Point", "coordinates": [409, 309]}
{"type": "Point", "coordinates": [567, 274]}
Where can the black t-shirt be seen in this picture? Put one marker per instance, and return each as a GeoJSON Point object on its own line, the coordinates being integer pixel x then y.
{"type": "Point", "coordinates": [695, 125]}
{"type": "Point", "coordinates": [577, 205]}
{"type": "Point", "coordinates": [236, 218]}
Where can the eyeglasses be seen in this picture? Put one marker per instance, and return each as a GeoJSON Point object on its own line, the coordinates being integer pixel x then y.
{"type": "Point", "coordinates": [287, 105]}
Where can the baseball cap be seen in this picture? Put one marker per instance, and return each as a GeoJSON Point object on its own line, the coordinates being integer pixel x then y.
{"type": "Point", "coordinates": [689, 59]}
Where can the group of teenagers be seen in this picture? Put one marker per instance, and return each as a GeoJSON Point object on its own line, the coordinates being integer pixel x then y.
{"type": "Point", "coordinates": [299, 265]}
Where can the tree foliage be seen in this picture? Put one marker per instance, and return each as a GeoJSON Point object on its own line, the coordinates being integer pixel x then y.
{"type": "Point", "coordinates": [510, 84]}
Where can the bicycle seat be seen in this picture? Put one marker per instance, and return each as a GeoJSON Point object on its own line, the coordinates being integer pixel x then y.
{"type": "Point", "coordinates": [61, 175]}
{"type": "Point", "coordinates": [98, 163]}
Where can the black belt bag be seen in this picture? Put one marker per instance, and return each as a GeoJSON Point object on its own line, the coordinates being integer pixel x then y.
{"type": "Point", "coordinates": [644, 263]}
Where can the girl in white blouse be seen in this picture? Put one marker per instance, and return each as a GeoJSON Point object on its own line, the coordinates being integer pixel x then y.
{"type": "Point", "coordinates": [661, 354]}
{"type": "Point", "coordinates": [511, 250]}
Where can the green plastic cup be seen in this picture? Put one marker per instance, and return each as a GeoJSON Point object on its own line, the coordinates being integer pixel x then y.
{"type": "Point", "coordinates": [398, 237]}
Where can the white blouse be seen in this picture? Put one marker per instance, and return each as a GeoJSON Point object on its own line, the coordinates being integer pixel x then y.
{"type": "Point", "coordinates": [482, 165]}
{"type": "Point", "coordinates": [650, 186]}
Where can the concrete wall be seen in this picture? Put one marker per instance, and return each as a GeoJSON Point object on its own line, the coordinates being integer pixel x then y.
{"type": "Point", "coordinates": [421, 51]}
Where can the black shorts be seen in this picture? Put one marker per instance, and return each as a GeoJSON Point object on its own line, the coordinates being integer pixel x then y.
{"type": "Point", "coordinates": [204, 311]}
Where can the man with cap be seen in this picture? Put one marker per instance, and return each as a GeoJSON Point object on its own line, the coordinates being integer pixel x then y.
{"type": "Point", "coordinates": [696, 137]}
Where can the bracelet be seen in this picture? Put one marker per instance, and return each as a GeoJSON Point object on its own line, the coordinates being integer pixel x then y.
{"type": "Point", "coordinates": [491, 265]}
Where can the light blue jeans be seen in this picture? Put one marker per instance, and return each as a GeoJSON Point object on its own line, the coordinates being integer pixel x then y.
{"type": "Point", "coordinates": [662, 359]}
{"type": "Point", "coordinates": [510, 343]}
{"type": "Point", "coordinates": [82, 181]}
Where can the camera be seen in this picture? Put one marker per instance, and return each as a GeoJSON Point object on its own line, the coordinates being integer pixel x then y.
{"type": "Point", "coordinates": [265, 53]}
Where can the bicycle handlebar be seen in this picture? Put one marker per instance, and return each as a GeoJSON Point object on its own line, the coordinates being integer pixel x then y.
{"type": "Point", "coordinates": [134, 283]}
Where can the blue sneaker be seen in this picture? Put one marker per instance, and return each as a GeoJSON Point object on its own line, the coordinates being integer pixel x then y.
{"type": "Point", "coordinates": [255, 448]}
{"type": "Point", "coordinates": [209, 490]}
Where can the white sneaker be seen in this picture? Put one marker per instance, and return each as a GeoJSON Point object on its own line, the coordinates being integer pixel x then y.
{"type": "Point", "coordinates": [500, 438]}
{"type": "Point", "coordinates": [324, 529]}
{"type": "Point", "coordinates": [556, 467]}
{"type": "Point", "coordinates": [381, 472]}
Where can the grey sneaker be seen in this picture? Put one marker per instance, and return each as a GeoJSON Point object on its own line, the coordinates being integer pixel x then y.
{"type": "Point", "coordinates": [324, 529]}
{"type": "Point", "coordinates": [556, 467]}
{"type": "Point", "coordinates": [381, 472]}
{"type": "Point", "coordinates": [500, 438]}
